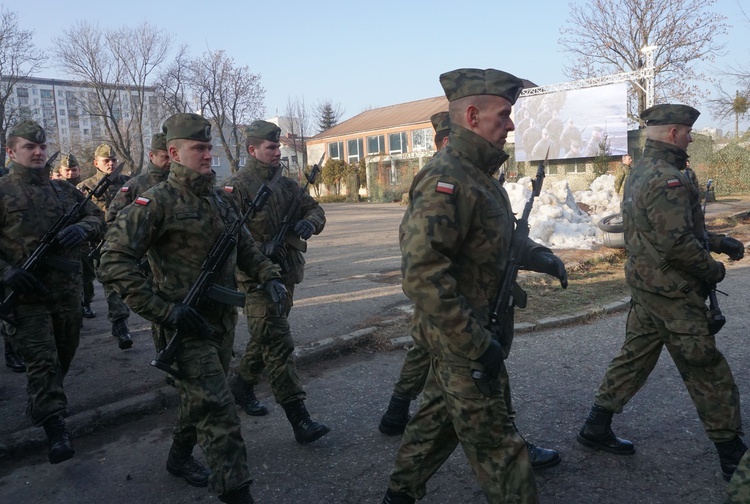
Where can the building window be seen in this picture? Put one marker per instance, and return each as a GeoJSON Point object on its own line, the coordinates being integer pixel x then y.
{"type": "Point", "coordinates": [336, 150]}
{"type": "Point", "coordinates": [85, 131]}
{"type": "Point", "coordinates": [64, 122]}
{"type": "Point", "coordinates": [575, 167]}
{"type": "Point", "coordinates": [397, 143]}
{"type": "Point", "coordinates": [22, 92]}
{"type": "Point", "coordinates": [295, 160]}
{"type": "Point", "coordinates": [375, 145]}
{"type": "Point", "coordinates": [34, 91]}
{"type": "Point", "coordinates": [423, 140]}
{"type": "Point", "coordinates": [215, 161]}
{"type": "Point", "coordinates": [243, 160]}
{"type": "Point", "coordinates": [354, 149]}
{"type": "Point", "coordinates": [45, 93]}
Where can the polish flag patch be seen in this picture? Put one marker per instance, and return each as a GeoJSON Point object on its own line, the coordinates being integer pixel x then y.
{"type": "Point", "coordinates": [674, 182]}
{"type": "Point", "coordinates": [229, 189]}
{"type": "Point", "coordinates": [445, 188]}
{"type": "Point", "coordinates": [124, 189]}
{"type": "Point", "coordinates": [140, 200]}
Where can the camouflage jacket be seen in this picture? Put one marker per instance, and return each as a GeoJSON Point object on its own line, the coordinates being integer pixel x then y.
{"type": "Point", "coordinates": [177, 223]}
{"type": "Point", "coordinates": [29, 204]}
{"type": "Point", "coordinates": [109, 194]}
{"type": "Point", "coordinates": [662, 206]}
{"type": "Point", "coordinates": [621, 177]}
{"type": "Point", "coordinates": [455, 239]}
{"type": "Point", "coordinates": [243, 186]}
{"type": "Point", "coordinates": [133, 188]}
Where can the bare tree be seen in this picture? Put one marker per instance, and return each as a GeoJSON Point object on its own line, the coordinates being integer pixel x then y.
{"type": "Point", "coordinates": [173, 86]}
{"type": "Point", "coordinates": [606, 36]}
{"type": "Point", "coordinates": [298, 125]}
{"type": "Point", "coordinates": [737, 106]}
{"type": "Point", "coordinates": [229, 95]}
{"type": "Point", "coordinates": [118, 65]}
{"type": "Point", "coordinates": [19, 58]}
{"type": "Point", "coordinates": [327, 114]}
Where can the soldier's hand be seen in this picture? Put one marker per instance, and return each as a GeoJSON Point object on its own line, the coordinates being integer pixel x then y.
{"type": "Point", "coordinates": [278, 294]}
{"type": "Point", "coordinates": [23, 282]}
{"type": "Point", "coordinates": [735, 249]}
{"type": "Point", "coordinates": [544, 261]}
{"type": "Point", "coordinates": [186, 318]}
{"type": "Point", "coordinates": [274, 251]}
{"type": "Point", "coordinates": [492, 359]}
{"type": "Point", "coordinates": [304, 229]}
{"type": "Point", "coordinates": [71, 236]}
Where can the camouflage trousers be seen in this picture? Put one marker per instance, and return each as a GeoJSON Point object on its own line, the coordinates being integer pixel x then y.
{"type": "Point", "coordinates": [89, 275]}
{"type": "Point", "coordinates": [270, 348]}
{"type": "Point", "coordinates": [116, 307]}
{"type": "Point", "coordinates": [46, 337]}
{"type": "Point", "coordinates": [738, 490]}
{"type": "Point", "coordinates": [413, 374]}
{"type": "Point", "coordinates": [207, 415]}
{"type": "Point", "coordinates": [453, 411]}
{"type": "Point", "coordinates": [680, 326]}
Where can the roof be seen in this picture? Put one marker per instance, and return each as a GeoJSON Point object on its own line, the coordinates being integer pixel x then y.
{"type": "Point", "coordinates": [403, 114]}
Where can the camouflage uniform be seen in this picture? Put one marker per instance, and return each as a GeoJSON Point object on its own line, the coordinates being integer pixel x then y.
{"type": "Point", "coordinates": [176, 223]}
{"type": "Point", "coordinates": [47, 328]}
{"type": "Point", "coordinates": [738, 490]}
{"type": "Point", "coordinates": [271, 345]}
{"type": "Point", "coordinates": [116, 309]}
{"type": "Point", "coordinates": [620, 178]}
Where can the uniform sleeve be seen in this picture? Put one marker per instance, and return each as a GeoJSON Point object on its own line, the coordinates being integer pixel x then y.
{"type": "Point", "coordinates": [670, 217]}
{"type": "Point", "coordinates": [122, 199]}
{"type": "Point", "coordinates": [312, 211]}
{"type": "Point", "coordinates": [432, 233]}
{"type": "Point", "coordinates": [91, 218]}
{"type": "Point", "coordinates": [128, 239]}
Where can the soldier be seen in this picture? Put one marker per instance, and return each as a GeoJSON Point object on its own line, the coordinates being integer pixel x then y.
{"type": "Point", "coordinates": [271, 346]}
{"type": "Point", "coordinates": [69, 169]}
{"type": "Point", "coordinates": [622, 174]}
{"type": "Point", "coordinates": [12, 359]}
{"type": "Point", "coordinates": [176, 223]}
{"type": "Point", "coordinates": [455, 238]}
{"type": "Point", "coordinates": [738, 489]}
{"type": "Point", "coordinates": [47, 315]}
{"type": "Point", "coordinates": [664, 227]}
{"type": "Point", "coordinates": [416, 364]}
{"type": "Point", "coordinates": [105, 161]}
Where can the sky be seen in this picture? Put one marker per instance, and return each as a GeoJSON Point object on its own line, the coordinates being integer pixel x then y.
{"type": "Point", "coordinates": [360, 55]}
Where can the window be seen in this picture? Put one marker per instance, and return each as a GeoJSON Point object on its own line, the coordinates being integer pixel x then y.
{"type": "Point", "coordinates": [64, 122]}
{"type": "Point", "coordinates": [375, 145]}
{"type": "Point", "coordinates": [335, 150]}
{"type": "Point", "coordinates": [45, 93]}
{"type": "Point", "coordinates": [575, 167]}
{"type": "Point", "coordinates": [22, 92]}
{"type": "Point", "coordinates": [85, 131]}
{"type": "Point", "coordinates": [397, 143]}
{"type": "Point", "coordinates": [354, 149]}
{"type": "Point", "coordinates": [295, 161]}
{"type": "Point", "coordinates": [243, 160]}
{"type": "Point", "coordinates": [215, 161]}
{"type": "Point", "coordinates": [422, 140]}
{"type": "Point", "coordinates": [34, 91]}
{"type": "Point", "coordinates": [62, 112]}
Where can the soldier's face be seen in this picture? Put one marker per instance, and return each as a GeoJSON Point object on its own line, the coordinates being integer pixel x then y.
{"type": "Point", "coordinates": [105, 164]}
{"type": "Point", "coordinates": [27, 153]}
{"type": "Point", "coordinates": [159, 158]}
{"type": "Point", "coordinates": [70, 172]}
{"type": "Point", "coordinates": [268, 152]}
{"type": "Point", "coordinates": [683, 136]}
{"type": "Point", "coordinates": [493, 120]}
{"type": "Point", "coordinates": [193, 154]}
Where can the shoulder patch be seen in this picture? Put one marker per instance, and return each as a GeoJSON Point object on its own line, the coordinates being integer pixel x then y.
{"type": "Point", "coordinates": [140, 200]}
{"type": "Point", "coordinates": [228, 188]}
{"type": "Point", "coordinates": [674, 182]}
{"type": "Point", "coordinates": [124, 189]}
{"type": "Point", "coordinates": [445, 188]}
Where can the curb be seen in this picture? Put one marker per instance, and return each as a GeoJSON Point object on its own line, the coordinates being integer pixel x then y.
{"type": "Point", "coordinates": [113, 414]}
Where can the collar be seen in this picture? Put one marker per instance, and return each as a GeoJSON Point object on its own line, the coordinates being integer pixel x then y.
{"type": "Point", "coordinates": [33, 176]}
{"type": "Point", "coordinates": [476, 149]}
{"type": "Point", "coordinates": [668, 152]}
{"type": "Point", "coordinates": [264, 170]}
{"type": "Point", "coordinates": [157, 172]}
{"type": "Point", "coordinates": [200, 185]}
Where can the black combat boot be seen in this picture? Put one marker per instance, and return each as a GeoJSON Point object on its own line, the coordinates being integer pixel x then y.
{"type": "Point", "coordinates": [392, 497]}
{"type": "Point", "coordinates": [597, 433]}
{"type": "Point", "coordinates": [730, 453]}
{"type": "Point", "coordinates": [122, 333]}
{"type": "Point", "coordinates": [237, 496]}
{"type": "Point", "coordinates": [244, 396]}
{"type": "Point", "coordinates": [13, 360]}
{"type": "Point", "coordinates": [182, 464]}
{"type": "Point", "coordinates": [396, 416]}
{"type": "Point", "coordinates": [305, 429]}
{"type": "Point", "coordinates": [540, 458]}
{"type": "Point", "coordinates": [87, 311]}
{"type": "Point", "coordinates": [60, 442]}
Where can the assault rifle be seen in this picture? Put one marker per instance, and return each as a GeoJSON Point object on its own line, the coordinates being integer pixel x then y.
{"type": "Point", "coordinates": [283, 235]}
{"type": "Point", "coordinates": [505, 297]}
{"type": "Point", "coordinates": [204, 287]}
{"type": "Point", "coordinates": [715, 318]}
{"type": "Point", "coordinates": [48, 241]}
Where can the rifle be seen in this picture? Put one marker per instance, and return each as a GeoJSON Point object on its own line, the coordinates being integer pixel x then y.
{"type": "Point", "coordinates": [715, 318]}
{"type": "Point", "coordinates": [203, 287]}
{"type": "Point", "coordinates": [508, 289]}
{"type": "Point", "coordinates": [48, 240]}
{"type": "Point", "coordinates": [281, 237]}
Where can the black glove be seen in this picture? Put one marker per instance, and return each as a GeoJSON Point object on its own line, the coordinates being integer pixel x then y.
{"type": "Point", "coordinates": [187, 319]}
{"type": "Point", "coordinates": [71, 236]}
{"type": "Point", "coordinates": [722, 273]}
{"type": "Point", "coordinates": [492, 359]}
{"type": "Point", "coordinates": [545, 261]}
{"type": "Point", "coordinates": [304, 229]}
{"type": "Point", "coordinates": [735, 249]}
{"type": "Point", "coordinates": [274, 251]}
{"type": "Point", "coordinates": [278, 294]}
{"type": "Point", "coordinates": [23, 282]}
